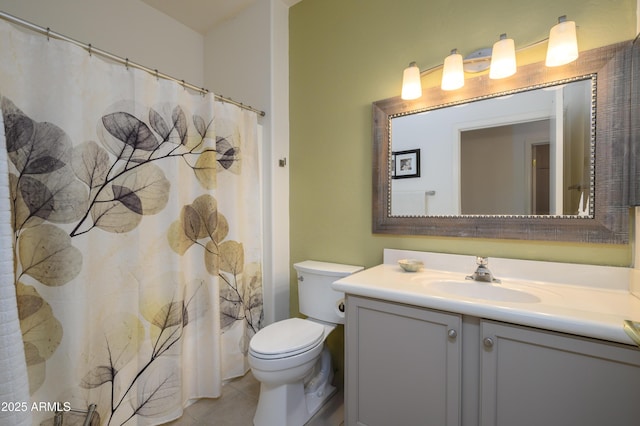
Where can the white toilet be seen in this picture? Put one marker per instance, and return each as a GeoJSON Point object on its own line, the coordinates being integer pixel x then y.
{"type": "Point", "coordinates": [289, 357]}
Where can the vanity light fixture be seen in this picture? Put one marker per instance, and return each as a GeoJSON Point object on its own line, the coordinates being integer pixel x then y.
{"type": "Point", "coordinates": [562, 49]}
{"type": "Point", "coordinates": [503, 58]}
{"type": "Point", "coordinates": [563, 44]}
{"type": "Point", "coordinates": [411, 85]}
{"type": "Point", "coordinates": [452, 71]}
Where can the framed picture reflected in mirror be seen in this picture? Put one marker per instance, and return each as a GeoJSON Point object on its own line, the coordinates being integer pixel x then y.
{"type": "Point", "coordinates": [405, 164]}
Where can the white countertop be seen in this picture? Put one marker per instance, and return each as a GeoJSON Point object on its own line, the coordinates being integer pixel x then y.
{"type": "Point", "coordinates": [586, 310]}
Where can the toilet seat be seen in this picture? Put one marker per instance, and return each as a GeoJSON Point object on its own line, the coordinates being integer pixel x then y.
{"type": "Point", "coordinates": [286, 338]}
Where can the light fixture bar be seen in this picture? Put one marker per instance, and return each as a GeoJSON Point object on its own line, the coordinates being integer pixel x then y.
{"type": "Point", "coordinates": [478, 57]}
{"type": "Point", "coordinates": [480, 60]}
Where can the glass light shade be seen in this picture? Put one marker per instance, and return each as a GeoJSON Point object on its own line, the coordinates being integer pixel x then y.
{"type": "Point", "coordinates": [563, 43]}
{"type": "Point", "coordinates": [452, 72]}
{"type": "Point", "coordinates": [411, 86]}
{"type": "Point", "coordinates": [503, 58]}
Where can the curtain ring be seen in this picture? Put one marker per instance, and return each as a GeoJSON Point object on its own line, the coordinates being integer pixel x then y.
{"type": "Point", "coordinates": [126, 63]}
{"type": "Point", "coordinates": [48, 33]}
{"type": "Point", "coordinates": [157, 78]}
{"type": "Point", "coordinates": [89, 48]}
{"type": "Point", "coordinates": [183, 86]}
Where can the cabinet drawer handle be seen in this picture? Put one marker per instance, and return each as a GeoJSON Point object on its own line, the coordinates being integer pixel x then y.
{"type": "Point", "coordinates": [488, 342]}
{"type": "Point", "coordinates": [452, 333]}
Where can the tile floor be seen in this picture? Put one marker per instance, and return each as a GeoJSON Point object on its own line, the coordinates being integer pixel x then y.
{"type": "Point", "coordinates": [237, 405]}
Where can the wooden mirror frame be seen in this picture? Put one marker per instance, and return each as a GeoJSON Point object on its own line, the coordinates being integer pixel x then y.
{"type": "Point", "coordinates": [609, 219]}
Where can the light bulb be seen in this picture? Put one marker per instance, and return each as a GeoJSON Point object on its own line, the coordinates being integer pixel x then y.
{"type": "Point", "coordinates": [503, 58]}
{"type": "Point", "coordinates": [452, 72]}
{"type": "Point", "coordinates": [563, 43]}
{"type": "Point", "coordinates": [411, 86]}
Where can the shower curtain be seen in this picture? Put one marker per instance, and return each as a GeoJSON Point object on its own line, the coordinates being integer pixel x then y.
{"type": "Point", "coordinates": [136, 235]}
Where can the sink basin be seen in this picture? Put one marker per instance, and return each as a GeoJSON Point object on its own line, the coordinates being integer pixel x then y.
{"type": "Point", "coordinates": [483, 291]}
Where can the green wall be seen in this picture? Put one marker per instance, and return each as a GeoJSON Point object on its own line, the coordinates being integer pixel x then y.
{"type": "Point", "coordinates": [346, 54]}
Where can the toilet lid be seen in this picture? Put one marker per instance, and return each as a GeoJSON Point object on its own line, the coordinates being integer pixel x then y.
{"type": "Point", "coordinates": [286, 338]}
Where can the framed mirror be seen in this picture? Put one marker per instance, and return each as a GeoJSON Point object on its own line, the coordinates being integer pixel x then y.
{"type": "Point", "coordinates": [542, 155]}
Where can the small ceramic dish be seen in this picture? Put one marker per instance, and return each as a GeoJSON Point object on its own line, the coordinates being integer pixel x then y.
{"type": "Point", "coordinates": [410, 265]}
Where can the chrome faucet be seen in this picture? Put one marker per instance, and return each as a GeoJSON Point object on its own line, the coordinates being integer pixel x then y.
{"type": "Point", "coordinates": [482, 273]}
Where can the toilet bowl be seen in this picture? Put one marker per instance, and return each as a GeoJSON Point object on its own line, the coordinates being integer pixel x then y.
{"type": "Point", "coordinates": [293, 380]}
{"type": "Point", "coordinates": [290, 359]}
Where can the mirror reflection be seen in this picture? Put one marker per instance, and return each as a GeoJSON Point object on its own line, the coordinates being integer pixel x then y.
{"type": "Point", "coordinates": [525, 153]}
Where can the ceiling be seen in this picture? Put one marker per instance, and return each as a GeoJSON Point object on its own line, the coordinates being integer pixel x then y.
{"type": "Point", "coordinates": [203, 15]}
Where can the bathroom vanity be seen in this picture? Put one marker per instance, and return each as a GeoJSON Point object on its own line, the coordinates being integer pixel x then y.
{"type": "Point", "coordinates": [544, 347]}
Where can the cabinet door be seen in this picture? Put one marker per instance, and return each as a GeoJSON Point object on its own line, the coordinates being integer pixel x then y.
{"type": "Point", "coordinates": [533, 377]}
{"type": "Point", "coordinates": [402, 365]}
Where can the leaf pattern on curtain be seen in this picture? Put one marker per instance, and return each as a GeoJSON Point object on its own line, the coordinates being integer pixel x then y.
{"type": "Point", "coordinates": [61, 192]}
{"type": "Point", "coordinates": [202, 225]}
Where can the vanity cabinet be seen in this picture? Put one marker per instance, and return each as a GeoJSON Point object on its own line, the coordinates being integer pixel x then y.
{"type": "Point", "coordinates": [403, 365]}
{"type": "Point", "coordinates": [411, 366]}
{"type": "Point", "coordinates": [536, 377]}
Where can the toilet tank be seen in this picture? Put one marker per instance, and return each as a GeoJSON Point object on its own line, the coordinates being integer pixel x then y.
{"type": "Point", "coordinates": [315, 296]}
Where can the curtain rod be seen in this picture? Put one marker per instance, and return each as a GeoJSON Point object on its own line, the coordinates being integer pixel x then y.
{"type": "Point", "coordinates": [125, 61]}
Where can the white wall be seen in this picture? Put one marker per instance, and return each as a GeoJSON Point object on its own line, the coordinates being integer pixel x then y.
{"type": "Point", "coordinates": [127, 28]}
{"type": "Point", "coordinates": [279, 212]}
{"type": "Point", "coordinates": [237, 56]}
{"type": "Point", "coordinates": [247, 57]}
